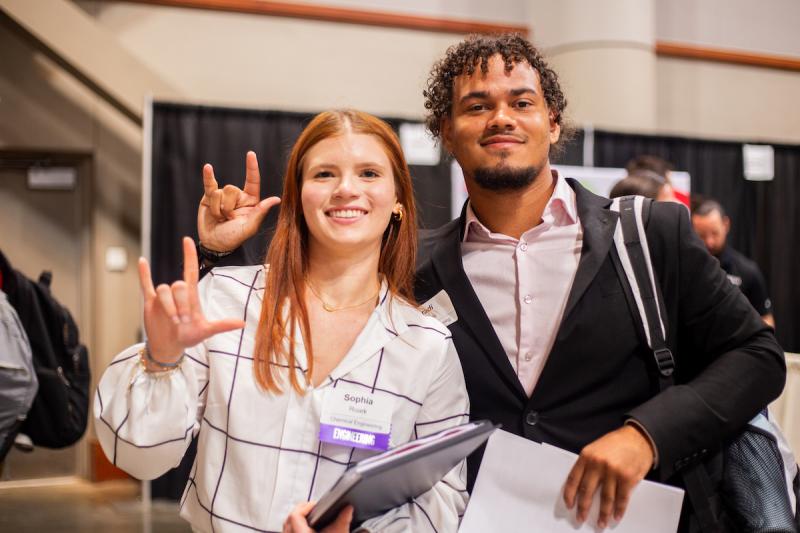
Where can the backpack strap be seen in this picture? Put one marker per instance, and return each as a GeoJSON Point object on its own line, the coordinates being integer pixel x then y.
{"type": "Point", "coordinates": [630, 242]}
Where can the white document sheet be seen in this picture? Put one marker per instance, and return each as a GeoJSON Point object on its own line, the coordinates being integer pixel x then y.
{"type": "Point", "coordinates": [520, 486]}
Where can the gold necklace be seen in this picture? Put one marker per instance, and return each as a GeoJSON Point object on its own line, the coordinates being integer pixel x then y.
{"type": "Point", "coordinates": [331, 309]}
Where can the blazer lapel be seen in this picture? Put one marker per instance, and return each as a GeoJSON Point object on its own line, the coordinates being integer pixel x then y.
{"type": "Point", "coordinates": [446, 260]}
{"type": "Point", "coordinates": [598, 234]}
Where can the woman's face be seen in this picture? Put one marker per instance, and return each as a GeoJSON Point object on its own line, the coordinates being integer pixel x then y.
{"type": "Point", "coordinates": [348, 193]}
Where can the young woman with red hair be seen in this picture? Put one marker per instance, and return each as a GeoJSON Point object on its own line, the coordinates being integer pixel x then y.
{"type": "Point", "coordinates": [253, 360]}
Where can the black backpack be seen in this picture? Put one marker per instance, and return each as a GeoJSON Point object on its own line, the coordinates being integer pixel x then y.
{"type": "Point", "coordinates": [756, 475]}
{"type": "Point", "coordinates": [60, 410]}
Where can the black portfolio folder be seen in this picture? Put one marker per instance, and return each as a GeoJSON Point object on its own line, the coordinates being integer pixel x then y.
{"type": "Point", "coordinates": [379, 483]}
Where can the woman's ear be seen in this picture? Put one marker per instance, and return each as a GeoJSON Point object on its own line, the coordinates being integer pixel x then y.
{"type": "Point", "coordinates": [397, 212]}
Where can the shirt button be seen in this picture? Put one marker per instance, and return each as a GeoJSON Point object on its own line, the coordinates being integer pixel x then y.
{"type": "Point", "coordinates": [527, 299]}
{"type": "Point", "coordinates": [523, 246]}
{"type": "Point", "coordinates": [532, 418]}
{"type": "Point", "coordinates": [528, 356]}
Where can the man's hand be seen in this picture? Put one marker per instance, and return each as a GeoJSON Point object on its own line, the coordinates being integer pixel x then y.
{"type": "Point", "coordinates": [229, 216]}
{"type": "Point", "coordinates": [296, 521]}
{"type": "Point", "coordinates": [614, 463]}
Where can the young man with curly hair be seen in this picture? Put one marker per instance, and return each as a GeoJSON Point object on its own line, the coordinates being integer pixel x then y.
{"type": "Point", "coordinates": [547, 341]}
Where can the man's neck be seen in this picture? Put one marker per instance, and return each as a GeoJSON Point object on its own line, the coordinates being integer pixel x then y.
{"type": "Point", "coordinates": [514, 212]}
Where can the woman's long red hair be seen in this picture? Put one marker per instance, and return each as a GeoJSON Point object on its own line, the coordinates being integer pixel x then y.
{"type": "Point", "coordinates": [283, 307]}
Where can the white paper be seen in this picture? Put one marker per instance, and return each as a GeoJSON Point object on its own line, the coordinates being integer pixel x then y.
{"type": "Point", "coordinates": [520, 486]}
{"type": "Point", "coordinates": [759, 162]}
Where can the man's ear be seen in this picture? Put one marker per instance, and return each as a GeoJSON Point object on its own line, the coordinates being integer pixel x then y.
{"type": "Point", "coordinates": [446, 133]}
{"type": "Point", "coordinates": [726, 221]}
{"type": "Point", "coordinates": [555, 128]}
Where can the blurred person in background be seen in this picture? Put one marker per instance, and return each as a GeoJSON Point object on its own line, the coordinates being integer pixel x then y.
{"type": "Point", "coordinates": [713, 225]}
{"type": "Point", "coordinates": [656, 168]}
{"type": "Point", "coordinates": [642, 185]}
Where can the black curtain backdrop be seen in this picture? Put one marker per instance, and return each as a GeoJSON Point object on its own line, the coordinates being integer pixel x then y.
{"type": "Point", "coordinates": [186, 137]}
{"type": "Point", "coordinates": [764, 221]}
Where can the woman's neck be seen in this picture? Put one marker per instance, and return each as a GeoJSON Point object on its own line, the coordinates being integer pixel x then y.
{"type": "Point", "coordinates": [343, 280]}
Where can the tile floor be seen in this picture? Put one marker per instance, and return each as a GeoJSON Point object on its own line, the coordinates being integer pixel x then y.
{"type": "Point", "coordinates": [84, 507]}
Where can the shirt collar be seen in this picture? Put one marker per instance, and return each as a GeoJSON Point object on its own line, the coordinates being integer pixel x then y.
{"type": "Point", "coordinates": [561, 210]}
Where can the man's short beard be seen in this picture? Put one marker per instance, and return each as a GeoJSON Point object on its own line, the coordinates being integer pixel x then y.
{"type": "Point", "coordinates": [504, 178]}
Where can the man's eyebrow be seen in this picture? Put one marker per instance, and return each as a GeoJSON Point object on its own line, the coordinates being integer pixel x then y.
{"type": "Point", "coordinates": [474, 94]}
{"type": "Point", "coordinates": [521, 91]}
{"type": "Point", "coordinates": [485, 94]}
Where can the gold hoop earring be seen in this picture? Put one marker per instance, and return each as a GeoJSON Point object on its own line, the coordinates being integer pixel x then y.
{"type": "Point", "coordinates": [398, 215]}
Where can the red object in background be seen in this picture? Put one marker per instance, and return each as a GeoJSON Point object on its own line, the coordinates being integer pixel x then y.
{"type": "Point", "coordinates": [102, 468]}
{"type": "Point", "coordinates": [682, 197]}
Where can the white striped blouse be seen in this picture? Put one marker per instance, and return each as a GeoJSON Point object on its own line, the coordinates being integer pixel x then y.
{"type": "Point", "coordinates": [259, 454]}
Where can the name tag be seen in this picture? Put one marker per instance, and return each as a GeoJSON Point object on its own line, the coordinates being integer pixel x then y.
{"type": "Point", "coordinates": [358, 419]}
{"type": "Point", "coordinates": [441, 308]}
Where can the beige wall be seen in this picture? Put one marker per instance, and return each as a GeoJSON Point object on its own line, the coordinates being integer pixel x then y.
{"type": "Point", "coordinates": [765, 27]}
{"type": "Point", "coordinates": [42, 110]}
{"type": "Point", "coordinates": [277, 63]}
{"type": "Point", "coordinates": [720, 101]}
{"type": "Point", "coordinates": [595, 45]}
{"type": "Point", "coordinates": [612, 78]}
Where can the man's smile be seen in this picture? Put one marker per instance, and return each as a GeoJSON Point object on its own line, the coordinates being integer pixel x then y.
{"type": "Point", "coordinates": [501, 142]}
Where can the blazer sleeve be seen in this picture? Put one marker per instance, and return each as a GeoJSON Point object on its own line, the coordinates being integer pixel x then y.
{"type": "Point", "coordinates": [728, 364]}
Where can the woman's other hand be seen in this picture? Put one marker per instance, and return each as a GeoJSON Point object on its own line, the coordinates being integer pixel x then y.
{"type": "Point", "coordinates": [229, 216]}
{"type": "Point", "coordinates": [173, 318]}
{"type": "Point", "coordinates": [296, 521]}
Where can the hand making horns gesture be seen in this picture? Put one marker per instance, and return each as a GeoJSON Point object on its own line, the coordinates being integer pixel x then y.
{"type": "Point", "coordinates": [173, 318]}
{"type": "Point", "coordinates": [229, 216]}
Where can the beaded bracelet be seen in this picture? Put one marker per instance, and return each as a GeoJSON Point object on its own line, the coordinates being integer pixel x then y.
{"type": "Point", "coordinates": [144, 352]}
{"type": "Point", "coordinates": [210, 254]}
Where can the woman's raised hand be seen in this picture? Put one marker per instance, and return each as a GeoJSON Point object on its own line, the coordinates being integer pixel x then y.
{"type": "Point", "coordinates": [229, 216]}
{"type": "Point", "coordinates": [173, 319]}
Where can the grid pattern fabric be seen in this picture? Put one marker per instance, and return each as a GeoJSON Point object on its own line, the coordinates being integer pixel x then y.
{"type": "Point", "coordinates": [259, 453]}
{"type": "Point", "coordinates": [755, 487]}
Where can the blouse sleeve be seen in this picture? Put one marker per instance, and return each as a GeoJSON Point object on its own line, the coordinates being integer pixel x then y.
{"type": "Point", "coordinates": [145, 421]}
{"type": "Point", "coordinates": [440, 509]}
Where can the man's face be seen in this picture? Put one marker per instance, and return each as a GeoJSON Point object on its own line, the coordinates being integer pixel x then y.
{"type": "Point", "coordinates": [500, 128]}
{"type": "Point", "coordinates": [713, 230]}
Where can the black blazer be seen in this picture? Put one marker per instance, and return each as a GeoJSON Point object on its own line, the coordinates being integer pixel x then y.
{"type": "Point", "coordinates": [599, 371]}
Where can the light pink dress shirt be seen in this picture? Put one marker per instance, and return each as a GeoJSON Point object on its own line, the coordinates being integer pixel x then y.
{"type": "Point", "coordinates": [523, 284]}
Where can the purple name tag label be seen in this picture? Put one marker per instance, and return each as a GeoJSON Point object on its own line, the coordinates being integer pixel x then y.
{"type": "Point", "coordinates": [355, 418]}
{"type": "Point", "coordinates": [351, 437]}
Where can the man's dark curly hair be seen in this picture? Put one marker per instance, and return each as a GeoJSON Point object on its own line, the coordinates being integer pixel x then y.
{"type": "Point", "coordinates": [464, 58]}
